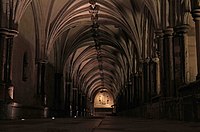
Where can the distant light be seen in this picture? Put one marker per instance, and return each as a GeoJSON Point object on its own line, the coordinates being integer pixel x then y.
{"type": "Point", "coordinates": [22, 119]}
{"type": "Point", "coordinates": [74, 116]}
{"type": "Point", "coordinates": [53, 118]}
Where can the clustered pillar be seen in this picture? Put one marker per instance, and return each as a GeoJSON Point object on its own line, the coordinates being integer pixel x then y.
{"type": "Point", "coordinates": [57, 93]}
{"type": "Point", "coordinates": [169, 62]}
{"type": "Point", "coordinates": [181, 55]}
{"type": "Point", "coordinates": [41, 68]}
{"type": "Point", "coordinates": [158, 59]}
{"type": "Point", "coordinates": [75, 101]}
{"type": "Point", "coordinates": [196, 16]}
{"type": "Point", "coordinates": [6, 45]}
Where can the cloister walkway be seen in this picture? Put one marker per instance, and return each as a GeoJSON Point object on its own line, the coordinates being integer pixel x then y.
{"type": "Point", "coordinates": [97, 124]}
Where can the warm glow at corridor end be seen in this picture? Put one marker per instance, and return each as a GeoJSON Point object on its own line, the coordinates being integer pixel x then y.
{"type": "Point", "coordinates": [103, 100]}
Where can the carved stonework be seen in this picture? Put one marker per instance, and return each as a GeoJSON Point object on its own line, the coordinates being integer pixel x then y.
{"type": "Point", "coordinates": [156, 60]}
{"type": "Point", "coordinates": [168, 31]}
{"type": "Point", "coordinates": [8, 33]}
{"type": "Point", "coordinates": [196, 14]}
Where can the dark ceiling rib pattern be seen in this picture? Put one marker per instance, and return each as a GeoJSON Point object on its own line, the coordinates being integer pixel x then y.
{"type": "Point", "coordinates": [99, 70]}
{"type": "Point", "coordinates": [101, 40]}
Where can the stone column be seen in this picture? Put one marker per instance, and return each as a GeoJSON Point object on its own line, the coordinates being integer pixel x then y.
{"type": "Point", "coordinates": [71, 100]}
{"type": "Point", "coordinates": [74, 101]}
{"type": "Point", "coordinates": [41, 68]}
{"type": "Point", "coordinates": [138, 88]}
{"type": "Point", "coordinates": [2, 62]}
{"type": "Point", "coordinates": [140, 81]}
{"type": "Point", "coordinates": [146, 78]}
{"type": "Point", "coordinates": [80, 103]}
{"type": "Point", "coordinates": [83, 109]}
{"type": "Point", "coordinates": [159, 59]}
{"type": "Point", "coordinates": [126, 97]}
{"type": "Point", "coordinates": [57, 89]}
{"type": "Point", "coordinates": [121, 100]}
{"type": "Point", "coordinates": [147, 61]}
{"type": "Point", "coordinates": [136, 91]}
{"type": "Point", "coordinates": [132, 89]}
{"type": "Point", "coordinates": [169, 61]}
{"type": "Point", "coordinates": [196, 16]}
{"type": "Point", "coordinates": [68, 95]}
{"type": "Point", "coordinates": [130, 93]}
{"type": "Point", "coordinates": [181, 54]}
{"type": "Point", "coordinates": [6, 47]}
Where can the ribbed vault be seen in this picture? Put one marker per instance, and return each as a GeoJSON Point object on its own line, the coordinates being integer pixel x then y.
{"type": "Point", "coordinates": [64, 55]}
{"type": "Point", "coordinates": [96, 58]}
{"type": "Point", "coordinates": [93, 69]}
{"type": "Point", "coordinates": [99, 42]}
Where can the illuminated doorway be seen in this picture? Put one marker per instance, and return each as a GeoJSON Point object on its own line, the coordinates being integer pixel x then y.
{"type": "Point", "coordinates": [103, 103]}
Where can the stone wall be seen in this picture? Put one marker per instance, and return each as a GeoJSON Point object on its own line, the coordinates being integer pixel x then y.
{"type": "Point", "coordinates": [185, 107]}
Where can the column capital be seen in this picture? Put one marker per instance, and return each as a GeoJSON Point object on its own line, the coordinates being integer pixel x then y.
{"type": "Point", "coordinates": [182, 28]}
{"type": "Point", "coordinates": [141, 61]}
{"type": "Point", "coordinates": [75, 88]}
{"type": "Point", "coordinates": [156, 59]}
{"type": "Point", "coordinates": [69, 82]}
{"type": "Point", "coordinates": [196, 14]}
{"type": "Point", "coordinates": [9, 33]}
{"type": "Point", "coordinates": [42, 61]}
{"type": "Point", "coordinates": [168, 31]}
{"type": "Point", "coordinates": [147, 60]}
{"type": "Point", "coordinates": [137, 74]}
{"type": "Point", "coordinates": [159, 33]}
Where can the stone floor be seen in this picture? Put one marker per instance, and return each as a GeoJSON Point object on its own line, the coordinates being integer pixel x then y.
{"type": "Point", "coordinates": [97, 124]}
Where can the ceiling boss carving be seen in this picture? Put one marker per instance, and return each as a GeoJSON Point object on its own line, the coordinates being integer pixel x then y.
{"type": "Point", "coordinates": [93, 10]}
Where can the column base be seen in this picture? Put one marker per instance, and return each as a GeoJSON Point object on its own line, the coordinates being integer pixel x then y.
{"type": "Point", "coordinates": [14, 110]}
{"type": "Point", "coordinates": [7, 110]}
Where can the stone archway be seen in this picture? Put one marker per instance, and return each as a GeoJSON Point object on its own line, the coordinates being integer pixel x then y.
{"type": "Point", "coordinates": [103, 103]}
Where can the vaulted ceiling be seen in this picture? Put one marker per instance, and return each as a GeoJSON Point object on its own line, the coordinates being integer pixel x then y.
{"type": "Point", "coordinates": [96, 44]}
